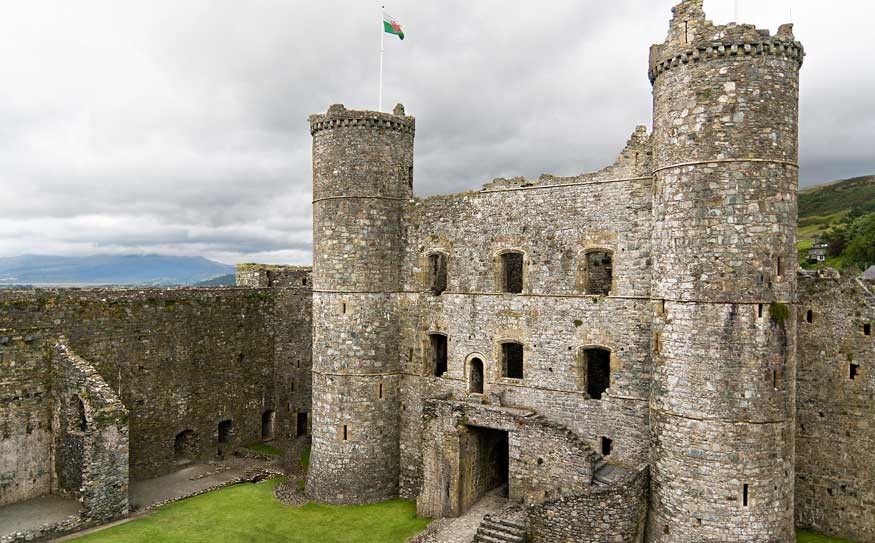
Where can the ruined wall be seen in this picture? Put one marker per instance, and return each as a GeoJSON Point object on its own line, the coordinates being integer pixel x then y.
{"type": "Point", "coordinates": [555, 223]}
{"type": "Point", "coordinates": [92, 435]}
{"type": "Point", "coordinates": [25, 413]}
{"type": "Point", "coordinates": [603, 513]}
{"type": "Point", "coordinates": [180, 359]}
{"type": "Point", "coordinates": [835, 435]}
{"type": "Point", "coordinates": [266, 275]}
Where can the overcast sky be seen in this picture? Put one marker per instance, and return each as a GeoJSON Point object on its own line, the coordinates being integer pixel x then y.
{"type": "Point", "coordinates": [180, 126]}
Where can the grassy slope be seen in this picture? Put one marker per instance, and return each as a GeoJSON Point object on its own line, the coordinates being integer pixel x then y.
{"type": "Point", "coordinates": [824, 204]}
{"type": "Point", "coordinates": [249, 512]}
{"type": "Point", "coordinates": [808, 537]}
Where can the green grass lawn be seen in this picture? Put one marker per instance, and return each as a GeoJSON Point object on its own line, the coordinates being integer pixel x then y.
{"type": "Point", "coordinates": [808, 537]}
{"type": "Point", "coordinates": [264, 448]}
{"type": "Point", "coordinates": [250, 513]}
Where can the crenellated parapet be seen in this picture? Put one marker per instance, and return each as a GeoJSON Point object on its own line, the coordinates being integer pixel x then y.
{"type": "Point", "coordinates": [340, 117]}
{"type": "Point", "coordinates": [692, 38]}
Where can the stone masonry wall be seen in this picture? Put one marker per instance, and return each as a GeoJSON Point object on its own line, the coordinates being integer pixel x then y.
{"type": "Point", "coordinates": [179, 359]}
{"type": "Point", "coordinates": [835, 435]}
{"type": "Point", "coordinates": [614, 513]}
{"type": "Point", "coordinates": [97, 436]}
{"type": "Point", "coordinates": [555, 222]}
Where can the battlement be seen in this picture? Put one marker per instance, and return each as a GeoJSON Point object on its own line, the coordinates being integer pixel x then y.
{"type": "Point", "coordinates": [693, 38]}
{"type": "Point", "coordinates": [338, 116]}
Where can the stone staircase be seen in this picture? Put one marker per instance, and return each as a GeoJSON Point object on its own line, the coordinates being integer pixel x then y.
{"type": "Point", "coordinates": [495, 529]}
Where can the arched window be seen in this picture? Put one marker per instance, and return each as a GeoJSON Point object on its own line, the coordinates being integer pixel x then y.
{"type": "Point", "coordinates": [598, 271]}
{"type": "Point", "coordinates": [185, 446]}
{"type": "Point", "coordinates": [512, 360]}
{"type": "Point", "coordinates": [437, 273]}
{"type": "Point", "coordinates": [226, 431]}
{"type": "Point", "coordinates": [594, 371]}
{"type": "Point", "coordinates": [511, 272]}
{"type": "Point", "coordinates": [475, 376]}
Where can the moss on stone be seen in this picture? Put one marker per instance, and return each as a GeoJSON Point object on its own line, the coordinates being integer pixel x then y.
{"type": "Point", "coordinates": [779, 312]}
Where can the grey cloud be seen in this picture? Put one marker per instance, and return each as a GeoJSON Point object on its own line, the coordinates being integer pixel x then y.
{"type": "Point", "coordinates": [181, 127]}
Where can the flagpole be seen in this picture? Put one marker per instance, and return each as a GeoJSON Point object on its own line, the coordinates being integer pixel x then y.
{"type": "Point", "coordinates": [382, 48]}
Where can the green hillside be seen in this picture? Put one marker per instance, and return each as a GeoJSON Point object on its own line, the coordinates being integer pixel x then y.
{"type": "Point", "coordinates": [840, 214]}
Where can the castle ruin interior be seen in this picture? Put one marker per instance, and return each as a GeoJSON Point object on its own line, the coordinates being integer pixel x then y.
{"type": "Point", "coordinates": [626, 355]}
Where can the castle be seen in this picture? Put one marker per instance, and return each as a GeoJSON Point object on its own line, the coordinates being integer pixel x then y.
{"type": "Point", "coordinates": [629, 354]}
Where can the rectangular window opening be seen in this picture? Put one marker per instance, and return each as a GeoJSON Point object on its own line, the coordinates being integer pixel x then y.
{"type": "Point", "coordinates": [599, 272]}
{"type": "Point", "coordinates": [809, 316]}
{"type": "Point", "coordinates": [346, 435]}
{"type": "Point", "coordinates": [779, 266]}
{"type": "Point", "coordinates": [607, 445]}
{"type": "Point", "coordinates": [855, 370]}
{"type": "Point", "coordinates": [512, 272]}
{"type": "Point", "coordinates": [380, 391]}
{"type": "Point", "coordinates": [745, 495]}
{"type": "Point", "coordinates": [512, 360]}
{"type": "Point", "coordinates": [597, 365]}
{"type": "Point", "coordinates": [867, 329]}
{"type": "Point", "coordinates": [437, 273]}
{"type": "Point", "coordinates": [438, 343]}
{"type": "Point", "coordinates": [759, 311]}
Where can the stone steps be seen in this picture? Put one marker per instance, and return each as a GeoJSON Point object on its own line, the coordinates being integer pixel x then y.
{"type": "Point", "coordinates": [500, 530]}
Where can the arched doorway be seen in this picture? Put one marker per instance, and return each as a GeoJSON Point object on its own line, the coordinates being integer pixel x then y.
{"type": "Point", "coordinates": [185, 446]}
{"type": "Point", "coordinates": [475, 376]}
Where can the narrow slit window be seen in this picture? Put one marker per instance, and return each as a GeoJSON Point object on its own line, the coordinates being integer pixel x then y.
{"type": "Point", "coordinates": [855, 370]}
{"type": "Point", "coordinates": [380, 391]}
{"type": "Point", "coordinates": [657, 342]}
{"type": "Point", "coordinates": [346, 434]}
{"type": "Point", "coordinates": [512, 360]}
{"type": "Point", "coordinates": [343, 308]}
{"type": "Point", "coordinates": [779, 266]}
{"type": "Point", "coordinates": [809, 316]}
{"type": "Point", "coordinates": [437, 273]}
{"type": "Point", "coordinates": [759, 311]}
{"type": "Point", "coordinates": [438, 344]}
{"type": "Point", "coordinates": [867, 329]}
{"type": "Point", "coordinates": [745, 495]}
{"type": "Point", "coordinates": [512, 273]}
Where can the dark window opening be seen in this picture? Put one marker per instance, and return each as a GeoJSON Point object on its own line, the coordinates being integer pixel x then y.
{"type": "Point", "coordinates": [512, 360]}
{"type": "Point", "coordinates": [241, 359]}
{"type": "Point", "coordinates": [599, 272]}
{"type": "Point", "coordinates": [302, 424]}
{"type": "Point", "coordinates": [380, 391]}
{"type": "Point", "coordinates": [475, 376]}
{"type": "Point", "coordinates": [779, 266]}
{"type": "Point", "coordinates": [185, 446]}
{"type": "Point", "coordinates": [809, 316]}
{"type": "Point", "coordinates": [267, 421]}
{"type": "Point", "coordinates": [855, 370]}
{"type": "Point", "coordinates": [595, 372]}
{"type": "Point", "coordinates": [606, 445]}
{"type": "Point", "coordinates": [776, 379]}
{"type": "Point", "coordinates": [438, 354]}
{"type": "Point", "coordinates": [512, 272]}
{"type": "Point", "coordinates": [410, 176]}
{"type": "Point", "coordinates": [437, 273]}
{"type": "Point", "coordinates": [343, 308]}
{"type": "Point", "coordinates": [77, 418]}
{"type": "Point", "coordinates": [226, 431]}
{"type": "Point", "coordinates": [345, 433]}
{"type": "Point", "coordinates": [760, 311]}
{"type": "Point", "coordinates": [867, 329]}
{"type": "Point", "coordinates": [304, 281]}
{"type": "Point", "coordinates": [745, 494]}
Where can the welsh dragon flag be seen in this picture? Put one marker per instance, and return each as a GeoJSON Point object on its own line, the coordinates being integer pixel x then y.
{"type": "Point", "coordinates": [391, 26]}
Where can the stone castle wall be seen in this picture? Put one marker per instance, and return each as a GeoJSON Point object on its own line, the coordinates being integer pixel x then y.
{"type": "Point", "coordinates": [179, 359]}
{"type": "Point", "coordinates": [835, 435]}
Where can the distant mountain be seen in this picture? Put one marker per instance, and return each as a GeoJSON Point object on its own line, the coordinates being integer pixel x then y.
{"type": "Point", "coordinates": [229, 280]}
{"type": "Point", "coordinates": [109, 270]}
{"type": "Point", "coordinates": [837, 196]}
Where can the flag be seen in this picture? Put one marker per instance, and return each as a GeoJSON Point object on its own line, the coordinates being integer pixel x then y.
{"type": "Point", "coordinates": [391, 26]}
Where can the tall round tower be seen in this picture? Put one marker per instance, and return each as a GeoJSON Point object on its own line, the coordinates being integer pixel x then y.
{"type": "Point", "coordinates": [725, 112]}
{"type": "Point", "coordinates": [362, 177]}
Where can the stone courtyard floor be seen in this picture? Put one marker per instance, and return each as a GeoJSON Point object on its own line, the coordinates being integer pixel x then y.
{"type": "Point", "coordinates": [26, 515]}
{"type": "Point", "coordinates": [463, 528]}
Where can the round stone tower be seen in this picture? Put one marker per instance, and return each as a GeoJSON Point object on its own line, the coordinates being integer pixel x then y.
{"type": "Point", "coordinates": [362, 177]}
{"type": "Point", "coordinates": [725, 112]}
